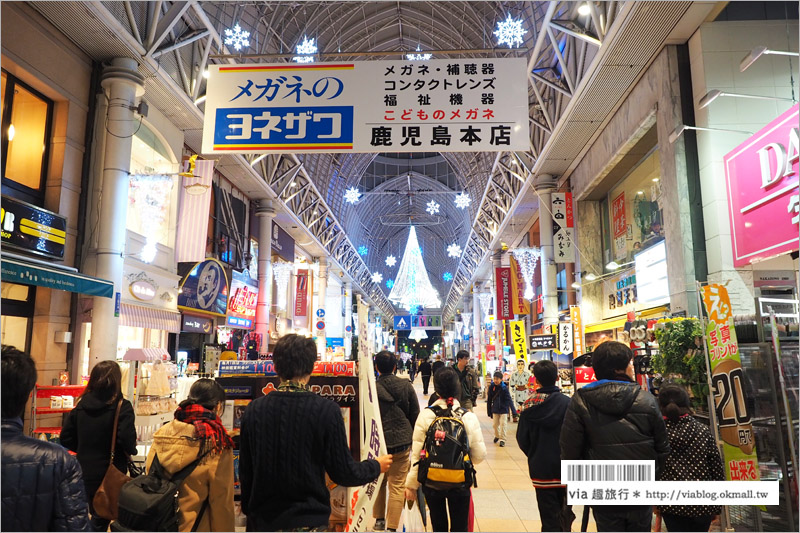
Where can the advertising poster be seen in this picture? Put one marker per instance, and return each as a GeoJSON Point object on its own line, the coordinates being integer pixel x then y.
{"type": "Point", "coordinates": [243, 300]}
{"type": "Point", "coordinates": [619, 227]}
{"type": "Point", "coordinates": [518, 339]}
{"type": "Point", "coordinates": [728, 387]}
{"type": "Point", "coordinates": [301, 294]}
{"type": "Point", "coordinates": [502, 276]}
{"type": "Point", "coordinates": [205, 289]}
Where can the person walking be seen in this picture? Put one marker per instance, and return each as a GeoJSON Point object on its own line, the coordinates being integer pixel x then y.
{"type": "Point", "coordinates": [449, 509]}
{"type": "Point", "coordinates": [412, 369]}
{"type": "Point", "coordinates": [425, 372]}
{"type": "Point", "coordinates": [470, 387]}
{"type": "Point", "coordinates": [498, 406]}
{"type": "Point", "coordinates": [88, 429]}
{"type": "Point", "coordinates": [290, 439]}
{"type": "Point", "coordinates": [399, 410]}
{"type": "Point", "coordinates": [694, 456]}
{"type": "Point", "coordinates": [518, 382]}
{"type": "Point", "coordinates": [205, 499]}
{"type": "Point", "coordinates": [437, 364]}
{"type": "Point", "coordinates": [537, 435]}
{"type": "Point", "coordinates": [42, 488]}
{"type": "Point", "coordinates": [614, 419]}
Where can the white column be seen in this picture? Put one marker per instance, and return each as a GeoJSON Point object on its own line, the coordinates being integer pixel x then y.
{"type": "Point", "coordinates": [265, 214]}
{"type": "Point", "coordinates": [348, 320]}
{"type": "Point", "coordinates": [545, 185]}
{"type": "Point", "coordinates": [322, 294]}
{"type": "Point", "coordinates": [122, 84]}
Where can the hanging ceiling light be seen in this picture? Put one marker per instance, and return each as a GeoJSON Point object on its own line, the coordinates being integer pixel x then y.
{"type": "Point", "coordinates": [510, 32]}
{"type": "Point", "coordinates": [418, 56]}
{"type": "Point", "coordinates": [527, 259]}
{"type": "Point", "coordinates": [282, 273]}
{"type": "Point", "coordinates": [412, 286]}
{"type": "Point", "coordinates": [306, 49]}
{"type": "Point", "coordinates": [463, 200]}
{"type": "Point", "coordinates": [583, 9]}
{"type": "Point", "coordinates": [237, 37]}
{"type": "Point", "coordinates": [417, 334]}
{"type": "Point", "coordinates": [454, 250]}
{"type": "Point", "coordinates": [433, 207]}
{"type": "Point", "coordinates": [352, 195]}
{"type": "Point", "coordinates": [485, 299]}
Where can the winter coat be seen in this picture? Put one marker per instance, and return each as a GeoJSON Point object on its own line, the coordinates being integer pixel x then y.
{"type": "Point", "coordinates": [538, 433]}
{"type": "Point", "coordinates": [87, 431]}
{"type": "Point", "coordinates": [399, 410]}
{"type": "Point", "coordinates": [477, 449]}
{"type": "Point", "coordinates": [614, 420]}
{"type": "Point", "coordinates": [42, 489]}
{"type": "Point", "coordinates": [425, 369]}
{"type": "Point", "coordinates": [436, 366]}
{"type": "Point", "coordinates": [176, 446]}
{"type": "Point", "coordinates": [498, 400]}
{"type": "Point", "coordinates": [470, 386]}
{"type": "Point", "coordinates": [694, 457]}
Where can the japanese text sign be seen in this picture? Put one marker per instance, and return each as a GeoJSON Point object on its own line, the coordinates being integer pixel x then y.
{"type": "Point", "coordinates": [518, 303]}
{"type": "Point", "coordinates": [243, 299]}
{"type": "Point", "coordinates": [502, 278]}
{"type": "Point", "coordinates": [518, 339]}
{"type": "Point", "coordinates": [577, 325]}
{"type": "Point", "coordinates": [543, 342]}
{"type": "Point", "coordinates": [619, 226]}
{"type": "Point", "coordinates": [763, 199]}
{"type": "Point", "coordinates": [728, 386]}
{"type": "Point", "coordinates": [267, 368]}
{"type": "Point", "coordinates": [563, 227]}
{"type": "Point", "coordinates": [443, 105]}
{"type": "Point", "coordinates": [565, 337]}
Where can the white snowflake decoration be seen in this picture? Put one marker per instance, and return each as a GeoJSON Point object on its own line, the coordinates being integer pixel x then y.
{"type": "Point", "coordinates": [510, 32]}
{"type": "Point", "coordinates": [307, 48]}
{"type": "Point", "coordinates": [454, 250]}
{"type": "Point", "coordinates": [527, 259]}
{"type": "Point", "coordinates": [352, 195]}
{"type": "Point", "coordinates": [433, 207]}
{"type": "Point", "coordinates": [377, 277]}
{"type": "Point", "coordinates": [237, 37]}
{"type": "Point", "coordinates": [391, 261]}
{"type": "Point", "coordinates": [463, 200]}
{"type": "Point", "coordinates": [418, 56]}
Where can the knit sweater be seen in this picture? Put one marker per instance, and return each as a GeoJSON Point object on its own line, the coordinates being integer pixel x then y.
{"type": "Point", "coordinates": [289, 441]}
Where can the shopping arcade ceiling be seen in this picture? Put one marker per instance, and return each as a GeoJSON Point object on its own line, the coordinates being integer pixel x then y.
{"type": "Point", "coordinates": [579, 69]}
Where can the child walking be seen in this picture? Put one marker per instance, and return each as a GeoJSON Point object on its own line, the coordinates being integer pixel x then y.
{"type": "Point", "coordinates": [499, 404]}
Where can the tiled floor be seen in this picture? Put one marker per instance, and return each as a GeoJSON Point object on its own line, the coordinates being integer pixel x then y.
{"type": "Point", "coordinates": [504, 499]}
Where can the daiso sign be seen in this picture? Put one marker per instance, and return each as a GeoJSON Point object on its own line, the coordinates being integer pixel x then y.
{"type": "Point", "coordinates": [763, 199]}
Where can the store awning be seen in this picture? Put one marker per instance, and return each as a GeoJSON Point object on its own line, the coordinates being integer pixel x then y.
{"type": "Point", "coordinates": [146, 354]}
{"type": "Point", "coordinates": [614, 323]}
{"type": "Point", "coordinates": [137, 316]}
{"type": "Point", "coordinates": [25, 273]}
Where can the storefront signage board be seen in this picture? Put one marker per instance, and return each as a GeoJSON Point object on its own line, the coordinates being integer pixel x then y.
{"type": "Point", "coordinates": [406, 322]}
{"type": "Point", "coordinates": [652, 283]}
{"type": "Point", "coordinates": [565, 337]}
{"type": "Point", "coordinates": [267, 368]}
{"type": "Point", "coordinates": [762, 183]}
{"type": "Point", "coordinates": [563, 227]}
{"type": "Point", "coordinates": [502, 276]}
{"type": "Point", "coordinates": [518, 302]}
{"type": "Point", "coordinates": [205, 289]}
{"type": "Point", "coordinates": [619, 227]}
{"type": "Point", "coordinates": [243, 300]}
{"type": "Point", "coordinates": [446, 105]}
{"type": "Point", "coordinates": [196, 324]}
{"type": "Point", "coordinates": [543, 342]}
{"type": "Point", "coordinates": [282, 243]}
{"type": "Point", "coordinates": [577, 326]}
{"type": "Point", "coordinates": [619, 293]}
{"type": "Point", "coordinates": [518, 339]}
{"type": "Point", "coordinates": [32, 229]}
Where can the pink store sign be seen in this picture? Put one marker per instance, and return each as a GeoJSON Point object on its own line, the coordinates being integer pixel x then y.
{"type": "Point", "coordinates": [763, 200]}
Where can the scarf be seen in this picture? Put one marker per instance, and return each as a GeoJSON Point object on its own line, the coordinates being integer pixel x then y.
{"type": "Point", "coordinates": [293, 386]}
{"type": "Point", "coordinates": [207, 426]}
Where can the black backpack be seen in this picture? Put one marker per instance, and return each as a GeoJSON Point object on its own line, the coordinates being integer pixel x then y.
{"type": "Point", "coordinates": [444, 462]}
{"type": "Point", "coordinates": [150, 502]}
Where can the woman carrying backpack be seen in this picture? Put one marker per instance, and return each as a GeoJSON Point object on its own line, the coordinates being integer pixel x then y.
{"type": "Point", "coordinates": [206, 496]}
{"type": "Point", "coordinates": [441, 496]}
{"type": "Point", "coordinates": [88, 430]}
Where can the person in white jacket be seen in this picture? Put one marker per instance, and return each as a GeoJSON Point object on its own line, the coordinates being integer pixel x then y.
{"type": "Point", "coordinates": [447, 385]}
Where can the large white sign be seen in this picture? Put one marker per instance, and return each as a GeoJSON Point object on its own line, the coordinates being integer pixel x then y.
{"type": "Point", "coordinates": [651, 275]}
{"type": "Point", "coordinates": [459, 105]}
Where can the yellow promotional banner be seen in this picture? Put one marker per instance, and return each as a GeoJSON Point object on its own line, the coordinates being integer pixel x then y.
{"type": "Point", "coordinates": [518, 304]}
{"type": "Point", "coordinates": [728, 384]}
{"type": "Point", "coordinates": [578, 342]}
{"type": "Point", "coordinates": [518, 339]}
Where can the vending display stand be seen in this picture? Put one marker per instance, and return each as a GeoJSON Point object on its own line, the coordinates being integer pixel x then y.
{"type": "Point", "coordinates": [50, 400]}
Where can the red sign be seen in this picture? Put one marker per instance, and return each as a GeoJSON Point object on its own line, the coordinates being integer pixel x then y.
{"type": "Point", "coordinates": [583, 376]}
{"type": "Point", "coordinates": [620, 227]}
{"type": "Point", "coordinates": [243, 298]}
{"type": "Point", "coordinates": [491, 352]}
{"type": "Point", "coordinates": [301, 295]}
{"type": "Point", "coordinates": [503, 283]}
{"type": "Point", "coordinates": [570, 215]}
{"type": "Point", "coordinates": [320, 325]}
{"type": "Point", "coordinates": [763, 199]}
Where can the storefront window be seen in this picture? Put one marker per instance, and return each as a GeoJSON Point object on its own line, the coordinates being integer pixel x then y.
{"type": "Point", "coordinates": [26, 117]}
{"type": "Point", "coordinates": [17, 317]}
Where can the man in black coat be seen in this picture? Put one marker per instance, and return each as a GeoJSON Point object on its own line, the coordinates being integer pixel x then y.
{"type": "Point", "coordinates": [42, 487]}
{"type": "Point", "coordinates": [399, 410]}
{"type": "Point", "coordinates": [425, 371]}
{"type": "Point", "coordinates": [537, 435]}
{"type": "Point", "coordinates": [614, 419]}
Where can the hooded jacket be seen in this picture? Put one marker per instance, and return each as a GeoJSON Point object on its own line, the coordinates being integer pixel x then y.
{"type": "Point", "coordinates": [614, 420]}
{"type": "Point", "coordinates": [87, 431]}
{"type": "Point", "coordinates": [498, 400]}
{"type": "Point", "coordinates": [42, 486]}
{"type": "Point", "coordinates": [399, 410]}
{"type": "Point", "coordinates": [212, 479]}
{"type": "Point", "coordinates": [538, 433]}
{"type": "Point", "coordinates": [694, 457]}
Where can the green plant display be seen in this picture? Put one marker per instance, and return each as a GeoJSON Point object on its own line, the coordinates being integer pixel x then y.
{"type": "Point", "coordinates": [681, 358]}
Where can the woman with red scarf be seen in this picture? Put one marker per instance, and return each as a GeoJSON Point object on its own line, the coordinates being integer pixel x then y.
{"type": "Point", "coordinates": [206, 497]}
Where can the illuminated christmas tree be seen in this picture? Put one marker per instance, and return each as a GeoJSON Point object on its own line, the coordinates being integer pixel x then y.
{"type": "Point", "coordinates": [412, 287]}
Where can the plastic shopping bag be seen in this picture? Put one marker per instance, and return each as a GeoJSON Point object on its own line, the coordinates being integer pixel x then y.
{"type": "Point", "coordinates": [411, 519]}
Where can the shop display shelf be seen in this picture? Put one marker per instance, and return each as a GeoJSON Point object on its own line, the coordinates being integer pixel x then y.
{"type": "Point", "coordinates": [52, 411]}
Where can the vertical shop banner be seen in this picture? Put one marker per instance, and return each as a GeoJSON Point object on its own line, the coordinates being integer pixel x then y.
{"type": "Point", "coordinates": [763, 200]}
{"type": "Point", "coordinates": [450, 105]}
{"type": "Point", "coordinates": [194, 203]}
{"type": "Point", "coordinates": [301, 294]}
{"type": "Point", "coordinates": [619, 227]}
{"type": "Point", "coordinates": [728, 384]}
{"type": "Point", "coordinates": [363, 328]}
{"type": "Point", "coordinates": [565, 337]}
{"type": "Point", "coordinates": [519, 304]}
{"type": "Point", "coordinates": [577, 327]}
{"type": "Point", "coordinates": [563, 227]}
{"type": "Point", "coordinates": [518, 338]}
{"type": "Point", "coordinates": [502, 278]}
{"type": "Point", "coordinates": [374, 445]}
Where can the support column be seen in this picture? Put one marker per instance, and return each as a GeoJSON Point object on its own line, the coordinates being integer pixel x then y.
{"type": "Point", "coordinates": [265, 214]}
{"type": "Point", "coordinates": [123, 85]}
{"type": "Point", "coordinates": [545, 185]}
{"type": "Point", "coordinates": [348, 320]}
{"type": "Point", "coordinates": [323, 291]}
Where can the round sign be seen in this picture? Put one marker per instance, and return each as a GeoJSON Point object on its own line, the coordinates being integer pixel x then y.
{"type": "Point", "coordinates": [320, 313]}
{"type": "Point", "coordinates": [320, 325]}
{"type": "Point", "coordinates": [348, 329]}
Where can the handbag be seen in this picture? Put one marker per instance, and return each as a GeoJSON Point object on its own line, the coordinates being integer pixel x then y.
{"type": "Point", "coordinates": [106, 499]}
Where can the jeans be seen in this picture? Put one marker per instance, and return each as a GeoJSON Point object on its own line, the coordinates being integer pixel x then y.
{"type": "Point", "coordinates": [500, 422]}
{"type": "Point", "coordinates": [682, 523]}
{"type": "Point", "coordinates": [623, 518]}
{"type": "Point", "coordinates": [425, 382]}
{"type": "Point", "coordinates": [456, 500]}
{"type": "Point", "coordinates": [556, 515]}
{"type": "Point", "coordinates": [394, 482]}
